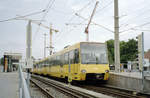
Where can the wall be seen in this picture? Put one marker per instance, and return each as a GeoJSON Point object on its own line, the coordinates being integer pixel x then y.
{"type": "Point", "coordinates": [129, 83]}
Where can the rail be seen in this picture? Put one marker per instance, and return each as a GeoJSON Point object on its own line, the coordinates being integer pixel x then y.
{"type": "Point", "coordinates": [71, 91]}
{"type": "Point", "coordinates": [23, 88]}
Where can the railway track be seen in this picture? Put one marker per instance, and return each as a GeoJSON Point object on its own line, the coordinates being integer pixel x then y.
{"type": "Point", "coordinates": [44, 84]}
{"type": "Point", "coordinates": [112, 92]}
{"type": "Point", "coordinates": [117, 93]}
{"type": "Point", "coordinates": [42, 87]}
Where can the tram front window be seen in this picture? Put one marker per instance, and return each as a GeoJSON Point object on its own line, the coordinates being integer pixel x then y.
{"type": "Point", "coordinates": [93, 53]}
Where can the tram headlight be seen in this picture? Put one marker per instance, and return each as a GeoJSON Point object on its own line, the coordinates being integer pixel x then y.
{"type": "Point", "coordinates": [83, 71]}
{"type": "Point", "coordinates": [107, 71]}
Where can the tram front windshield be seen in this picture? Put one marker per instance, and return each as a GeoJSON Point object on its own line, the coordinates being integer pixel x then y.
{"type": "Point", "coordinates": [93, 53]}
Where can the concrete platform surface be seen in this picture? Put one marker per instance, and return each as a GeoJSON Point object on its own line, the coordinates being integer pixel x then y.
{"type": "Point", "coordinates": [9, 85]}
{"type": "Point", "coordinates": [129, 74]}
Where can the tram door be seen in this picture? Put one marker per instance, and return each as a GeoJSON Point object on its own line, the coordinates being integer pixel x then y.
{"type": "Point", "coordinates": [74, 60]}
{"type": "Point", "coordinates": [61, 65]}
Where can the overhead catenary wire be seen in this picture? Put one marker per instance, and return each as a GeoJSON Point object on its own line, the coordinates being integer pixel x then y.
{"type": "Point", "coordinates": [141, 29]}
{"type": "Point", "coordinates": [105, 6]}
{"type": "Point", "coordinates": [49, 5]}
{"type": "Point", "coordinates": [84, 7]}
{"type": "Point", "coordinates": [141, 12]}
{"type": "Point", "coordinates": [95, 23]}
{"type": "Point", "coordinates": [34, 13]}
{"type": "Point", "coordinates": [47, 10]}
{"type": "Point", "coordinates": [34, 21]}
{"type": "Point", "coordinates": [147, 23]}
{"type": "Point", "coordinates": [127, 24]}
{"type": "Point", "coordinates": [80, 10]}
{"type": "Point", "coordinates": [68, 32]}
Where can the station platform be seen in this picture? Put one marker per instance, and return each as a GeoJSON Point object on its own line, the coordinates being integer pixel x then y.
{"type": "Point", "coordinates": [130, 81]}
{"type": "Point", "coordinates": [9, 85]}
{"type": "Point", "coordinates": [129, 74]}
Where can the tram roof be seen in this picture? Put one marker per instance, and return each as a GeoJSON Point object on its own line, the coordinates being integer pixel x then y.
{"type": "Point", "coordinates": [68, 48]}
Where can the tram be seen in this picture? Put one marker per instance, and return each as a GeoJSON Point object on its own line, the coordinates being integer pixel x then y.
{"type": "Point", "coordinates": [82, 61]}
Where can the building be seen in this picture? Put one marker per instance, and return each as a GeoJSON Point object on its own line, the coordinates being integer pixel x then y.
{"type": "Point", "coordinates": [147, 55]}
{"type": "Point", "coordinates": [11, 61]}
{"type": "Point", "coordinates": [147, 60]}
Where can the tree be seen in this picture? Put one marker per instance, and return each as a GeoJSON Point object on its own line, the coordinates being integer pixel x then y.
{"type": "Point", "coordinates": [128, 50]}
{"type": "Point", "coordinates": [2, 61]}
{"type": "Point", "coordinates": [110, 47]}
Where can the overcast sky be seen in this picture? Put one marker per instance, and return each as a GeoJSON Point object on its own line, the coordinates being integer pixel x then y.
{"type": "Point", "coordinates": [133, 13]}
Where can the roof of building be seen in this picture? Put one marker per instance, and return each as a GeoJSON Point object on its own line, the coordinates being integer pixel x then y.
{"type": "Point", "coordinates": [13, 55]}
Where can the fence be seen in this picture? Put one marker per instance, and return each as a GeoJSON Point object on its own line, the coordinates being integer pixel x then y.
{"type": "Point", "coordinates": [23, 87]}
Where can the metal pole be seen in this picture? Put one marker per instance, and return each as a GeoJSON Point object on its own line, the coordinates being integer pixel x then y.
{"type": "Point", "coordinates": [142, 61]}
{"type": "Point", "coordinates": [116, 37]}
{"type": "Point", "coordinates": [29, 46]}
{"type": "Point", "coordinates": [140, 52]}
{"type": "Point", "coordinates": [28, 78]}
{"type": "Point", "coordinates": [29, 38]}
{"type": "Point", "coordinates": [20, 83]}
{"type": "Point", "coordinates": [45, 45]}
{"type": "Point", "coordinates": [51, 39]}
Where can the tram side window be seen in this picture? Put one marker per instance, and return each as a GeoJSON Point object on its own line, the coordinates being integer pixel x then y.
{"type": "Point", "coordinates": [66, 58]}
{"type": "Point", "coordinates": [76, 57]}
{"type": "Point", "coordinates": [54, 61]}
{"type": "Point", "coordinates": [71, 57]}
{"type": "Point", "coordinates": [46, 62]}
{"type": "Point", "coordinates": [39, 65]}
{"type": "Point", "coordinates": [34, 65]}
{"type": "Point", "coordinates": [43, 64]}
{"type": "Point", "coordinates": [50, 62]}
{"type": "Point", "coordinates": [58, 60]}
{"type": "Point", "coordinates": [62, 59]}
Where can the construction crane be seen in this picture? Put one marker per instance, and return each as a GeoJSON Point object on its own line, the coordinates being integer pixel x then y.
{"type": "Point", "coordinates": [51, 33]}
{"type": "Point", "coordinates": [51, 30]}
{"type": "Point", "coordinates": [86, 29]}
{"type": "Point", "coordinates": [95, 23]}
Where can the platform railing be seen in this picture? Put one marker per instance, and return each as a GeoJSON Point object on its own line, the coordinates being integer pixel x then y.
{"type": "Point", "coordinates": [23, 87]}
